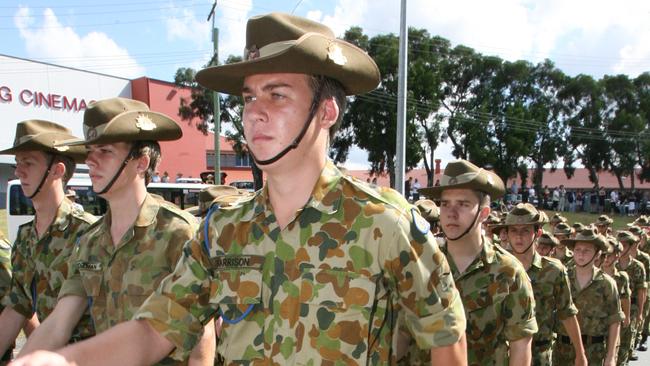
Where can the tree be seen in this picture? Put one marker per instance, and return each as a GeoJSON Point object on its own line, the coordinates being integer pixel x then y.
{"type": "Point", "coordinates": [582, 104]}
{"type": "Point", "coordinates": [372, 117]}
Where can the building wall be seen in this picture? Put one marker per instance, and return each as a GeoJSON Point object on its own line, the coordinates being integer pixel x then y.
{"type": "Point", "coordinates": [36, 90]}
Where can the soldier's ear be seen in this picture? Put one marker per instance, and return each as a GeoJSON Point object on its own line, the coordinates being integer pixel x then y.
{"type": "Point", "coordinates": [143, 163]}
{"type": "Point", "coordinates": [329, 113]}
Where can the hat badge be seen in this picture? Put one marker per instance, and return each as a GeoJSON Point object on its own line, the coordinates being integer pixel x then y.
{"type": "Point", "coordinates": [335, 53]}
{"type": "Point", "coordinates": [144, 123]}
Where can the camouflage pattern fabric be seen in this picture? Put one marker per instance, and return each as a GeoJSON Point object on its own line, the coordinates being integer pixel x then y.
{"type": "Point", "coordinates": [499, 304]}
{"type": "Point", "coordinates": [637, 276]}
{"type": "Point", "coordinates": [645, 259]}
{"type": "Point", "coordinates": [40, 266]}
{"type": "Point", "coordinates": [326, 289]}
{"type": "Point", "coordinates": [553, 303]}
{"type": "Point", "coordinates": [599, 305]}
{"type": "Point", "coordinates": [117, 279]}
{"type": "Point", "coordinates": [622, 283]}
{"type": "Point", "coordinates": [5, 268]}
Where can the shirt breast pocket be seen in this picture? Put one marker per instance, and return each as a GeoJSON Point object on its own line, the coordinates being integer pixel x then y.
{"type": "Point", "coordinates": [237, 294]}
{"type": "Point", "coordinates": [336, 310]}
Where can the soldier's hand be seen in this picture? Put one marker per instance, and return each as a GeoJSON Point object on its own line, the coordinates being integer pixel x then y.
{"type": "Point", "coordinates": [42, 358]}
{"type": "Point", "coordinates": [626, 322]}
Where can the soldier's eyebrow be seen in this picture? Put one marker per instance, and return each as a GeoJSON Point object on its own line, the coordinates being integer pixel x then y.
{"type": "Point", "coordinates": [268, 87]}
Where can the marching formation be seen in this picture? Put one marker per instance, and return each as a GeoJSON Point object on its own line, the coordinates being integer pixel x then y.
{"type": "Point", "coordinates": [315, 268]}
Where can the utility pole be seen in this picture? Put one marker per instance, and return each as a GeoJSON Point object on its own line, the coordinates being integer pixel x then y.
{"type": "Point", "coordinates": [400, 154]}
{"type": "Point", "coordinates": [215, 99]}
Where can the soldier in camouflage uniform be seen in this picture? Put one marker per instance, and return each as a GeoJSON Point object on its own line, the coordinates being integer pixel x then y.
{"type": "Point", "coordinates": [43, 246]}
{"type": "Point", "coordinates": [546, 244]}
{"type": "Point", "coordinates": [430, 212]}
{"type": "Point", "coordinates": [316, 266]}
{"type": "Point", "coordinates": [644, 258]}
{"type": "Point", "coordinates": [610, 259]}
{"type": "Point", "coordinates": [497, 294]}
{"type": "Point", "coordinates": [123, 257]}
{"type": "Point", "coordinates": [603, 223]}
{"type": "Point", "coordinates": [557, 218]}
{"type": "Point", "coordinates": [550, 283]}
{"type": "Point", "coordinates": [638, 286]}
{"type": "Point", "coordinates": [5, 282]}
{"type": "Point", "coordinates": [563, 231]}
{"type": "Point", "coordinates": [596, 296]}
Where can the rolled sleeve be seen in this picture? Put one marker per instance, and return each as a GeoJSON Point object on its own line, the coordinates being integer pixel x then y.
{"type": "Point", "coordinates": [566, 308]}
{"type": "Point", "coordinates": [180, 306]}
{"type": "Point", "coordinates": [520, 309]}
{"type": "Point", "coordinates": [16, 297]}
{"type": "Point", "coordinates": [432, 307]}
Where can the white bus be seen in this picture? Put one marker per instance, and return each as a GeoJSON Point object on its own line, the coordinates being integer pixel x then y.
{"type": "Point", "coordinates": [20, 209]}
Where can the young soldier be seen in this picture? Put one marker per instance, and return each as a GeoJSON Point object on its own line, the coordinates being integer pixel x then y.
{"type": "Point", "coordinates": [315, 267]}
{"type": "Point", "coordinates": [43, 246]}
{"type": "Point", "coordinates": [557, 218]}
{"type": "Point", "coordinates": [497, 295]}
{"type": "Point", "coordinates": [639, 288]}
{"type": "Point", "coordinates": [603, 223]}
{"type": "Point", "coordinates": [546, 244]}
{"type": "Point", "coordinates": [550, 284]}
{"type": "Point", "coordinates": [122, 258]}
{"type": "Point", "coordinates": [599, 308]}
{"type": "Point", "coordinates": [610, 259]}
{"type": "Point", "coordinates": [639, 254]}
{"type": "Point", "coordinates": [430, 212]}
{"type": "Point", "coordinates": [563, 231]}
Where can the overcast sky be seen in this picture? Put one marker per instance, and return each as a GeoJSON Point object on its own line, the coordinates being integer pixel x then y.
{"type": "Point", "coordinates": [153, 38]}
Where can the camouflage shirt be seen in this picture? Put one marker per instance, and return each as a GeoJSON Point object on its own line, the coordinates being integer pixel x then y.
{"type": "Point", "coordinates": [325, 289]}
{"type": "Point", "coordinates": [553, 299]}
{"type": "Point", "coordinates": [499, 304]}
{"type": "Point", "coordinates": [117, 279]}
{"type": "Point", "coordinates": [599, 304]}
{"type": "Point", "coordinates": [40, 266]}
{"type": "Point", "coordinates": [622, 283]}
{"type": "Point", "coordinates": [636, 272]}
{"type": "Point", "coordinates": [5, 268]}
{"type": "Point", "coordinates": [644, 258]}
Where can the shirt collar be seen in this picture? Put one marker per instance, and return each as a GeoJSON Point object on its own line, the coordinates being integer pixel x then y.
{"type": "Point", "coordinates": [62, 219]}
{"type": "Point", "coordinates": [537, 260]}
{"type": "Point", "coordinates": [148, 212]}
{"type": "Point", "coordinates": [325, 197]}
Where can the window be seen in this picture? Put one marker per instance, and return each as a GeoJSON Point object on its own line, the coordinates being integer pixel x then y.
{"type": "Point", "coordinates": [243, 160]}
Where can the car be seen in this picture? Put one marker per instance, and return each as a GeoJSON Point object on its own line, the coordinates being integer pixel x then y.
{"type": "Point", "coordinates": [247, 185]}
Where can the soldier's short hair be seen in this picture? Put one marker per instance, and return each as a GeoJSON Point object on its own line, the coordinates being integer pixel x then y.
{"type": "Point", "coordinates": [151, 149]}
{"type": "Point", "coordinates": [330, 88]}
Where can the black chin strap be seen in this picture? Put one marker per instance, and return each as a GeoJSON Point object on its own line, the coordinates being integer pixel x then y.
{"type": "Point", "coordinates": [312, 112]}
{"type": "Point", "coordinates": [119, 171]}
{"type": "Point", "coordinates": [527, 248]}
{"type": "Point", "coordinates": [467, 230]}
{"type": "Point", "coordinates": [590, 261]}
{"type": "Point", "coordinates": [47, 172]}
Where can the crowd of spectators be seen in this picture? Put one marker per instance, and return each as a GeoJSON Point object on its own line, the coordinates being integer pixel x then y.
{"type": "Point", "coordinates": [596, 200]}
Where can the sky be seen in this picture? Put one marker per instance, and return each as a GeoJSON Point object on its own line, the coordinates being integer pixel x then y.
{"type": "Point", "coordinates": [154, 38]}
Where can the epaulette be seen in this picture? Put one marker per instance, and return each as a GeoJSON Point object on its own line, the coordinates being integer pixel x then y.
{"type": "Point", "coordinates": [83, 215]}
{"type": "Point", "coordinates": [232, 201]}
{"type": "Point", "coordinates": [186, 216]}
{"type": "Point", "coordinates": [383, 194]}
{"type": "Point", "coordinates": [554, 261]}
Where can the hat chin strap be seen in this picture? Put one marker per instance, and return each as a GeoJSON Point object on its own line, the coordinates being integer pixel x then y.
{"type": "Point", "coordinates": [527, 248]}
{"type": "Point", "coordinates": [119, 172]}
{"type": "Point", "coordinates": [296, 141]}
{"type": "Point", "coordinates": [47, 172]}
{"type": "Point", "coordinates": [466, 230]}
{"type": "Point", "coordinates": [590, 261]}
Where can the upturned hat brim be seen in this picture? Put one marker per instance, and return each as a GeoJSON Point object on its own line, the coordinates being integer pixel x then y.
{"type": "Point", "coordinates": [131, 126]}
{"type": "Point", "coordinates": [48, 142]}
{"type": "Point", "coordinates": [495, 190]}
{"type": "Point", "coordinates": [312, 54]}
{"type": "Point", "coordinates": [599, 243]}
